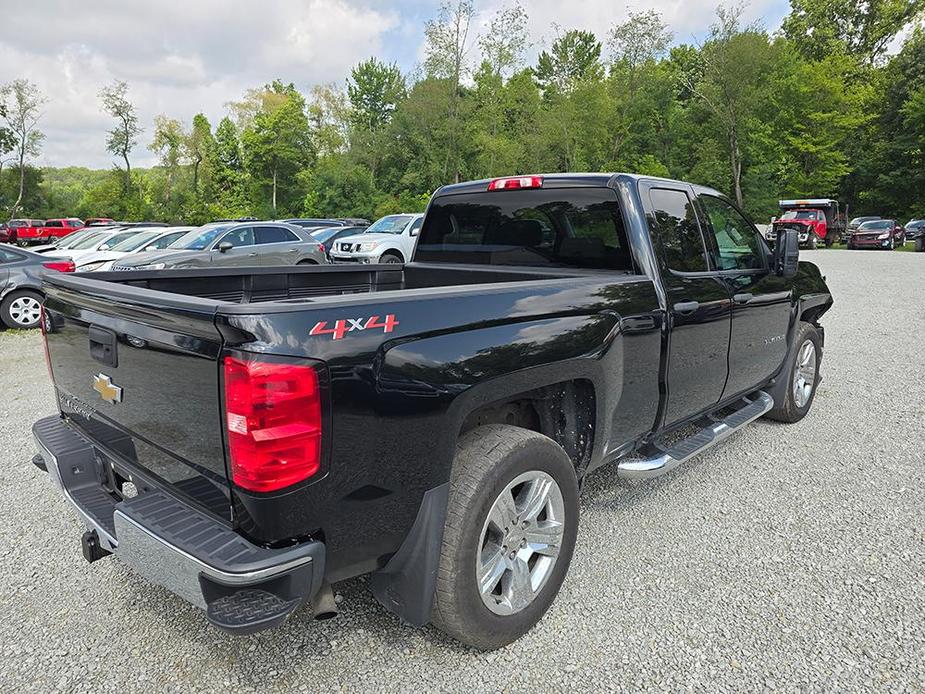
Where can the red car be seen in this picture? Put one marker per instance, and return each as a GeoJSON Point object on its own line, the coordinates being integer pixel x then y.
{"type": "Point", "coordinates": [878, 233]}
{"type": "Point", "coordinates": [50, 231]}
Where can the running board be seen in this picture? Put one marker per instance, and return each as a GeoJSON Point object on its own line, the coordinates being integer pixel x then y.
{"type": "Point", "coordinates": [661, 460]}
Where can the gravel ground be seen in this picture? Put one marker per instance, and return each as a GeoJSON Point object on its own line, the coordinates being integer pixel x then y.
{"type": "Point", "coordinates": [789, 558]}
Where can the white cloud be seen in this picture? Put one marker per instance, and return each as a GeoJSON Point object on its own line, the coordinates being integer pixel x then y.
{"type": "Point", "coordinates": [178, 56]}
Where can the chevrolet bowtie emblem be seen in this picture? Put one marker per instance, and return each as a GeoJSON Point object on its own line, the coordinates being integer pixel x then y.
{"type": "Point", "coordinates": [110, 392]}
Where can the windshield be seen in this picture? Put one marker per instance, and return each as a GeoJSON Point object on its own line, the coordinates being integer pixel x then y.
{"type": "Point", "coordinates": [325, 234]}
{"type": "Point", "coordinates": [75, 238]}
{"type": "Point", "coordinates": [135, 242]}
{"type": "Point", "coordinates": [89, 241]}
{"type": "Point", "coordinates": [878, 224]}
{"type": "Point", "coordinates": [393, 224]}
{"type": "Point", "coordinates": [116, 239]}
{"type": "Point", "coordinates": [799, 214]}
{"type": "Point", "coordinates": [200, 239]}
{"type": "Point", "coordinates": [860, 220]}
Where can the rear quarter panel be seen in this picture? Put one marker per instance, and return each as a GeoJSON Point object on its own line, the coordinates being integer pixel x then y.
{"type": "Point", "coordinates": [398, 400]}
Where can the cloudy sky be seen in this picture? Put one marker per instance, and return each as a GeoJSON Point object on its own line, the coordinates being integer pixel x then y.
{"type": "Point", "coordinates": [185, 56]}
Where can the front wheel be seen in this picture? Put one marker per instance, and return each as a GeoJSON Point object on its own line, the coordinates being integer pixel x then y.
{"type": "Point", "coordinates": [511, 525]}
{"type": "Point", "coordinates": [802, 377]}
{"type": "Point", "coordinates": [21, 309]}
{"type": "Point", "coordinates": [390, 258]}
{"type": "Point", "coordinates": [51, 239]}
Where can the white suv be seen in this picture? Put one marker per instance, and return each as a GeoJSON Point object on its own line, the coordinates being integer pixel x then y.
{"type": "Point", "coordinates": [389, 240]}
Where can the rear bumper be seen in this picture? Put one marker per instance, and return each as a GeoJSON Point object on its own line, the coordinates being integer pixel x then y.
{"type": "Point", "coordinates": [243, 587]}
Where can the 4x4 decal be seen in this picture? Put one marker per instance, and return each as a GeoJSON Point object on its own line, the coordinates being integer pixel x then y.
{"type": "Point", "coordinates": [349, 325]}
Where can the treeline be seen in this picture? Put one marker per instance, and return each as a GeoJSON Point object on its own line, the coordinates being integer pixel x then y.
{"type": "Point", "coordinates": [816, 109]}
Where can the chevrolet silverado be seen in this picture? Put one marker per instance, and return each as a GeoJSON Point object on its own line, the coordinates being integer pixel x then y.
{"type": "Point", "coordinates": [246, 437]}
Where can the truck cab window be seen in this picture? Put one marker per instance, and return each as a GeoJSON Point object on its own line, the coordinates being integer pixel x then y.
{"type": "Point", "coordinates": [737, 243]}
{"type": "Point", "coordinates": [673, 223]}
{"type": "Point", "coordinates": [577, 227]}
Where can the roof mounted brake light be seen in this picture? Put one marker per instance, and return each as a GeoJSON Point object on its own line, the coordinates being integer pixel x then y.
{"type": "Point", "coordinates": [516, 183]}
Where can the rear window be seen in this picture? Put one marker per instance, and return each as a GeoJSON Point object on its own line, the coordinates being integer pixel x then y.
{"type": "Point", "coordinates": [573, 227]}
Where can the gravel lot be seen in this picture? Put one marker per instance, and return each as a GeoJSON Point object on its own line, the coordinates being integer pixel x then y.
{"type": "Point", "coordinates": [790, 558]}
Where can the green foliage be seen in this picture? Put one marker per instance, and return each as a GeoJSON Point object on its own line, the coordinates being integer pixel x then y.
{"type": "Point", "coordinates": [816, 110]}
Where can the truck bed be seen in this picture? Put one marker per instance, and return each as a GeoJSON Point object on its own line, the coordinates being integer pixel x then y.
{"type": "Point", "coordinates": [259, 285]}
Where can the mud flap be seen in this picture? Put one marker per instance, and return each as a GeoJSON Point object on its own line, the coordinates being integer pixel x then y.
{"type": "Point", "coordinates": [405, 586]}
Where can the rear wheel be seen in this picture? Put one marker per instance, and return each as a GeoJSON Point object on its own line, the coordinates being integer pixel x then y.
{"type": "Point", "coordinates": [512, 521]}
{"type": "Point", "coordinates": [52, 239]}
{"type": "Point", "coordinates": [802, 377]}
{"type": "Point", "coordinates": [22, 309]}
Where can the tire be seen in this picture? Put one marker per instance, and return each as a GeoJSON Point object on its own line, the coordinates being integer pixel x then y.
{"type": "Point", "coordinates": [796, 404]}
{"type": "Point", "coordinates": [489, 460]}
{"type": "Point", "coordinates": [813, 242]}
{"type": "Point", "coordinates": [22, 244]}
{"type": "Point", "coordinates": [21, 309]}
{"type": "Point", "coordinates": [892, 244]}
{"type": "Point", "coordinates": [829, 241]}
{"type": "Point", "coordinates": [306, 262]}
{"type": "Point", "coordinates": [51, 239]}
{"type": "Point", "coordinates": [920, 244]}
{"type": "Point", "coordinates": [390, 258]}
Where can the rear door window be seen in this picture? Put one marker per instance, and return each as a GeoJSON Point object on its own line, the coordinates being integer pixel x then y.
{"type": "Point", "coordinates": [274, 235]}
{"type": "Point", "coordinates": [573, 227]}
{"type": "Point", "coordinates": [673, 223]}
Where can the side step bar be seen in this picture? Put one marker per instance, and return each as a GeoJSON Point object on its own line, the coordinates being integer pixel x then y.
{"type": "Point", "coordinates": [660, 460]}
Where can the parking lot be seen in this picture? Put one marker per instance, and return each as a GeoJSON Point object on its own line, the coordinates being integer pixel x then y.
{"type": "Point", "coordinates": [789, 558]}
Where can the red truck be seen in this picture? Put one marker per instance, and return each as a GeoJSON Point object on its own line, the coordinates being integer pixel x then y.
{"type": "Point", "coordinates": [814, 220]}
{"type": "Point", "coordinates": [48, 231]}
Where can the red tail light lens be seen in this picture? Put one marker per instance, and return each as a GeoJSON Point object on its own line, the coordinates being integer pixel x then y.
{"type": "Point", "coordinates": [273, 419]}
{"type": "Point", "coordinates": [516, 183]}
{"type": "Point", "coordinates": [60, 265]}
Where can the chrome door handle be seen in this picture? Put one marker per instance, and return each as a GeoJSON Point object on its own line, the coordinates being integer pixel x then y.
{"type": "Point", "coordinates": [742, 298]}
{"type": "Point", "coordinates": [685, 307]}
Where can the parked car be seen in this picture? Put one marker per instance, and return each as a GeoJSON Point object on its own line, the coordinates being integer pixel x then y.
{"type": "Point", "coordinates": [144, 241]}
{"type": "Point", "coordinates": [914, 229]}
{"type": "Point", "coordinates": [817, 220]}
{"type": "Point", "coordinates": [854, 224]}
{"type": "Point", "coordinates": [98, 221]}
{"type": "Point", "coordinates": [238, 243]}
{"type": "Point", "coordinates": [21, 293]}
{"type": "Point", "coordinates": [27, 227]}
{"type": "Point", "coordinates": [5, 233]}
{"type": "Point", "coordinates": [314, 223]}
{"type": "Point", "coordinates": [49, 232]}
{"type": "Point", "coordinates": [430, 423]}
{"type": "Point", "coordinates": [389, 240]}
{"type": "Point", "coordinates": [328, 235]}
{"type": "Point", "coordinates": [104, 241]}
{"type": "Point", "coordinates": [878, 233]}
{"type": "Point", "coordinates": [71, 240]}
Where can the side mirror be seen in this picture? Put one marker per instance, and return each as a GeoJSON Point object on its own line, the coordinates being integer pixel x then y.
{"type": "Point", "coordinates": [787, 253]}
{"type": "Point", "coordinates": [415, 232]}
{"type": "Point", "coordinates": [225, 246]}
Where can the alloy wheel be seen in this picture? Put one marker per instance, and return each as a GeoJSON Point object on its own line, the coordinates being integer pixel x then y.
{"type": "Point", "coordinates": [520, 542]}
{"type": "Point", "coordinates": [804, 375]}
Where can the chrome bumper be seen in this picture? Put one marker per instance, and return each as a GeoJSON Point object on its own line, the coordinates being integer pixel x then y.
{"type": "Point", "coordinates": [165, 540]}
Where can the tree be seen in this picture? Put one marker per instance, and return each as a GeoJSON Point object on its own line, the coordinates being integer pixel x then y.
{"type": "Point", "coordinates": [22, 102]}
{"type": "Point", "coordinates": [375, 89]}
{"type": "Point", "coordinates": [505, 42]}
{"type": "Point", "coordinates": [197, 144]}
{"type": "Point", "coordinates": [226, 164]}
{"type": "Point", "coordinates": [7, 139]}
{"type": "Point", "coordinates": [123, 138]}
{"type": "Point", "coordinates": [168, 145]}
{"type": "Point", "coordinates": [277, 144]}
{"type": "Point", "coordinates": [864, 29]}
{"type": "Point", "coordinates": [447, 44]}
{"type": "Point", "coordinates": [573, 58]}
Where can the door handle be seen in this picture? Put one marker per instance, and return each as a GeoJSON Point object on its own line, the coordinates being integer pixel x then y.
{"type": "Point", "coordinates": [252, 255]}
{"type": "Point", "coordinates": [686, 307]}
{"type": "Point", "coordinates": [742, 298]}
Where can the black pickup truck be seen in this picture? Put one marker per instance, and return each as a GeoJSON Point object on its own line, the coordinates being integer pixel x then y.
{"type": "Point", "coordinates": [248, 436]}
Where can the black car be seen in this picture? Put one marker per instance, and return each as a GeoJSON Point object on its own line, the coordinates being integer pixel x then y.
{"type": "Point", "coordinates": [915, 228]}
{"type": "Point", "coordinates": [21, 293]}
{"type": "Point", "coordinates": [428, 423]}
{"type": "Point", "coordinates": [328, 235]}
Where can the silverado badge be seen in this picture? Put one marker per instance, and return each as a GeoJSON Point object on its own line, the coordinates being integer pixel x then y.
{"type": "Point", "coordinates": [110, 392]}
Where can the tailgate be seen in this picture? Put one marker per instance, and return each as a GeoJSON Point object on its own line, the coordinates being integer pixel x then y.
{"type": "Point", "coordinates": [137, 372]}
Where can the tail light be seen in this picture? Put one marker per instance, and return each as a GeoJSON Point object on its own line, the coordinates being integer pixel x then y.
{"type": "Point", "coordinates": [60, 265]}
{"type": "Point", "coordinates": [273, 420]}
{"type": "Point", "coordinates": [516, 183]}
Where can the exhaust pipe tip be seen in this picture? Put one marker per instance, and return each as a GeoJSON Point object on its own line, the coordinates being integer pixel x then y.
{"type": "Point", "coordinates": [324, 606]}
